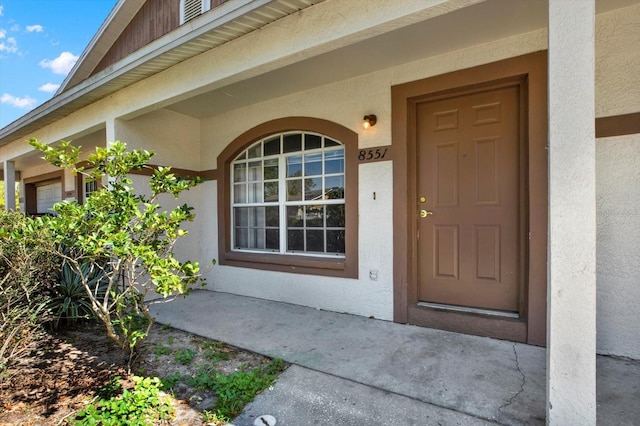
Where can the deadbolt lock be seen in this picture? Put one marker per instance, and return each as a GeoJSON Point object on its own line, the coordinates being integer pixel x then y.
{"type": "Point", "coordinates": [423, 199]}
{"type": "Point", "coordinates": [424, 213]}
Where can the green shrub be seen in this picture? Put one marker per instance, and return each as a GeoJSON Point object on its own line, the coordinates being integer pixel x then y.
{"type": "Point", "coordinates": [27, 270]}
{"type": "Point", "coordinates": [142, 406]}
{"type": "Point", "coordinates": [128, 230]}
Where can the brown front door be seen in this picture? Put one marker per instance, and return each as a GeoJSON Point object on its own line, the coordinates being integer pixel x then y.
{"type": "Point", "coordinates": [469, 191]}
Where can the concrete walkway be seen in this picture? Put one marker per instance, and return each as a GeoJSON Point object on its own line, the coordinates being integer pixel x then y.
{"type": "Point", "coordinates": [351, 370]}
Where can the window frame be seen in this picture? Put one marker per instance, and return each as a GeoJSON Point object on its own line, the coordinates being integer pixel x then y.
{"type": "Point", "coordinates": [346, 266]}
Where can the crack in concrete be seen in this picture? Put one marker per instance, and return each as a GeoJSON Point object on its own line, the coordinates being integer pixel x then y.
{"type": "Point", "coordinates": [524, 380]}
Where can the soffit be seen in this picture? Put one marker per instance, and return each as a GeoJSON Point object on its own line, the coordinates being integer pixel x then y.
{"type": "Point", "coordinates": [482, 23]}
{"type": "Point", "coordinates": [227, 22]}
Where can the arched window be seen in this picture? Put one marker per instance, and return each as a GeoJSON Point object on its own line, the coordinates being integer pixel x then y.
{"type": "Point", "coordinates": [288, 198]}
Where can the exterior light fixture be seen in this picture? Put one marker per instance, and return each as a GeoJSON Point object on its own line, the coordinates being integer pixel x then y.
{"type": "Point", "coordinates": [369, 121]}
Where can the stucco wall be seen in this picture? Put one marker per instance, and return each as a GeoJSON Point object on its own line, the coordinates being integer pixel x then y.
{"type": "Point", "coordinates": [344, 102]}
{"type": "Point", "coordinates": [175, 138]}
{"type": "Point", "coordinates": [618, 249]}
{"type": "Point", "coordinates": [618, 62]}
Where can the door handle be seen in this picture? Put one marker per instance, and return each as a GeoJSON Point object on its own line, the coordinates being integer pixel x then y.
{"type": "Point", "coordinates": [424, 213]}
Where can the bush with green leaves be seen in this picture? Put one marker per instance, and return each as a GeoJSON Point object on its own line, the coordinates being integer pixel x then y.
{"type": "Point", "coordinates": [26, 270]}
{"type": "Point", "coordinates": [124, 234]}
{"type": "Point", "coordinates": [144, 405]}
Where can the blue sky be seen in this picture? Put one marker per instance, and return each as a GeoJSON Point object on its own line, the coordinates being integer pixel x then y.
{"type": "Point", "coordinates": [40, 41]}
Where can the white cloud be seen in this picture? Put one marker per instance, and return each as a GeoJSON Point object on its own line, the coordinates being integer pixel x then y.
{"type": "Point", "coordinates": [49, 87]}
{"type": "Point", "coordinates": [3, 33]}
{"type": "Point", "coordinates": [10, 45]}
{"type": "Point", "coordinates": [24, 103]}
{"type": "Point", "coordinates": [1, 9]}
{"type": "Point", "coordinates": [60, 65]}
{"type": "Point", "coordinates": [34, 28]}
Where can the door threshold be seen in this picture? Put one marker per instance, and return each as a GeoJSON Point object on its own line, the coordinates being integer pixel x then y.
{"type": "Point", "coordinates": [503, 314]}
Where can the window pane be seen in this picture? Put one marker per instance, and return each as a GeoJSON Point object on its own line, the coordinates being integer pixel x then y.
{"type": "Point", "coordinates": [255, 193]}
{"type": "Point", "coordinates": [314, 216]}
{"type": "Point", "coordinates": [294, 190]}
{"type": "Point", "coordinates": [315, 241]}
{"type": "Point", "coordinates": [313, 189]}
{"type": "Point", "coordinates": [272, 216]}
{"type": "Point", "coordinates": [312, 142]}
{"type": "Point", "coordinates": [255, 151]}
{"type": "Point", "coordinates": [270, 192]}
{"type": "Point", "coordinates": [313, 164]}
{"type": "Point", "coordinates": [294, 166]}
{"type": "Point", "coordinates": [242, 156]}
{"type": "Point", "coordinates": [240, 172]}
{"type": "Point", "coordinates": [335, 216]}
{"type": "Point", "coordinates": [295, 240]}
{"type": "Point", "coordinates": [240, 193]}
{"type": "Point", "coordinates": [294, 216]}
{"type": "Point", "coordinates": [330, 142]}
{"type": "Point", "coordinates": [292, 142]}
{"type": "Point", "coordinates": [272, 146]}
{"type": "Point", "coordinates": [250, 216]}
{"type": "Point", "coordinates": [334, 187]}
{"type": "Point", "coordinates": [256, 216]}
{"type": "Point", "coordinates": [255, 171]}
{"type": "Point", "coordinates": [334, 162]}
{"type": "Point", "coordinates": [241, 238]}
{"type": "Point", "coordinates": [241, 216]}
{"type": "Point", "coordinates": [272, 239]}
{"type": "Point", "coordinates": [271, 169]}
{"type": "Point", "coordinates": [335, 241]}
{"type": "Point", "coordinates": [256, 238]}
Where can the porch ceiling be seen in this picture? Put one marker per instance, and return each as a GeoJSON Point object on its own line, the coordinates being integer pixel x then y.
{"type": "Point", "coordinates": [482, 23]}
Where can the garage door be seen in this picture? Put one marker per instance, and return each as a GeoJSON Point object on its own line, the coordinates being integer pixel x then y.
{"type": "Point", "coordinates": [48, 195]}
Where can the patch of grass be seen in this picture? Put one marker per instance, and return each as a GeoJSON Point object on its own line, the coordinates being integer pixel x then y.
{"type": "Point", "coordinates": [215, 351]}
{"type": "Point", "coordinates": [161, 349]}
{"type": "Point", "coordinates": [165, 327]}
{"type": "Point", "coordinates": [213, 418]}
{"type": "Point", "coordinates": [237, 389]}
{"type": "Point", "coordinates": [185, 356]}
{"type": "Point", "coordinates": [170, 340]}
{"type": "Point", "coordinates": [171, 381]}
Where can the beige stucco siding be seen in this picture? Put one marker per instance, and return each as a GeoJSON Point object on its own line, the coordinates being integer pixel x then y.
{"type": "Point", "coordinates": [618, 62]}
{"type": "Point", "coordinates": [618, 249]}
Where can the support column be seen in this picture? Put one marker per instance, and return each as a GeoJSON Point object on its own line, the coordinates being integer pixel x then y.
{"type": "Point", "coordinates": [571, 315]}
{"type": "Point", "coordinates": [9, 185]}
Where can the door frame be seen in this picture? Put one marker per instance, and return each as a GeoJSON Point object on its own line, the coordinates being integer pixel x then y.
{"type": "Point", "coordinates": [530, 72]}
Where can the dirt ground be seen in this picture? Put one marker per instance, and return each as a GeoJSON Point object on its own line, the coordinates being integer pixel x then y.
{"type": "Point", "coordinates": [61, 375]}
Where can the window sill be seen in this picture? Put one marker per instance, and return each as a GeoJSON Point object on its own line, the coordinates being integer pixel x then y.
{"type": "Point", "coordinates": [291, 263]}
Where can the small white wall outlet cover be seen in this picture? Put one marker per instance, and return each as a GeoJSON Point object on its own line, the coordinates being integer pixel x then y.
{"type": "Point", "coordinates": [373, 274]}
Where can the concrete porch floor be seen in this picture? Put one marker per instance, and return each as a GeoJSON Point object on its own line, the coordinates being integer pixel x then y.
{"type": "Point", "coordinates": [351, 370]}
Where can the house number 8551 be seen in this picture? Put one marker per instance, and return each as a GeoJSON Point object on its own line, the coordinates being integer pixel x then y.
{"type": "Point", "coordinates": [372, 154]}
